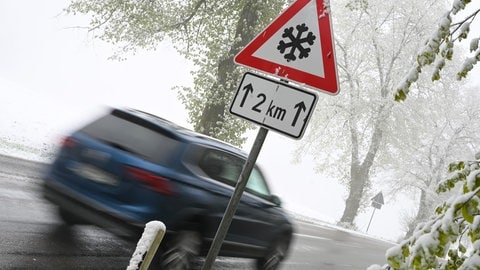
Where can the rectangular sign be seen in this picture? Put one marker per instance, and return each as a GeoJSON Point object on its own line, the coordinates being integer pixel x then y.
{"type": "Point", "coordinates": [273, 104]}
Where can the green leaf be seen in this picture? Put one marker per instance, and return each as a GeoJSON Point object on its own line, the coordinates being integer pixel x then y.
{"type": "Point", "coordinates": [405, 251]}
{"type": "Point", "coordinates": [393, 263]}
{"type": "Point", "coordinates": [452, 167]}
{"type": "Point", "coordinates": [466, 214]}
{"type": "Point", "coordinates": [400, 96]}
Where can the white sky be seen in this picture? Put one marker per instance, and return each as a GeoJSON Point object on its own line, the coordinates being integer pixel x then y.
{"type": "Point", "coordinates": [54, 78]}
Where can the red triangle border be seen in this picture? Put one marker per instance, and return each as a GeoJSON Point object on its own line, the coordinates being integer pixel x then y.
{"type": "Point", "coordinates": [329, 83]}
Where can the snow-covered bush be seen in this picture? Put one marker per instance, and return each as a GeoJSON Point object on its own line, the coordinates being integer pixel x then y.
{"type": "Point", "coordinates": [450, 240]}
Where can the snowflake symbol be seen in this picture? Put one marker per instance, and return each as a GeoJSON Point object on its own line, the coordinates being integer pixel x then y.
{"type": "Point", "coordinates": [296, 42]}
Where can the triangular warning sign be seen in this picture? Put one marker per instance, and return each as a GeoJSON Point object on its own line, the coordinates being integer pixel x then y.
{"type": "Point", "coordinates": [378, 198]}
{"type": "Point", "coordinates": [297, 46]}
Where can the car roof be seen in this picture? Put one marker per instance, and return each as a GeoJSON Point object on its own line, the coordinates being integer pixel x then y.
{"type": "Point", "coordinates": [182, 133]}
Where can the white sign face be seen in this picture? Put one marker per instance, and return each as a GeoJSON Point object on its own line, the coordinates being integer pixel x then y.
{"type": "Point", "coordinates": [312, 62]}
{"type": "Point", "coordinates": [297, 46]}
{"type": "Point", "coordinates": [273, 104]}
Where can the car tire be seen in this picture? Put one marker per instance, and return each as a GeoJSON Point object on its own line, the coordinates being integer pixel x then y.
{"type": "Point", "coordinates": [68, 218]}
{"type": "Point", "coordinates": [181, 252]}
{"type": "Point", "coordinates": [275, 255]}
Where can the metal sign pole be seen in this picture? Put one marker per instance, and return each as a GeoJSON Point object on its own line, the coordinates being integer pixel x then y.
{"type": "Point", "coordinates": [235, 199]}
{"type": "Point", "coordinates": [370, 219]}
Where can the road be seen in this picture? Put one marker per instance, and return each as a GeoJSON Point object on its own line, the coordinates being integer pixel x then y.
{"type": "Point", "coordinates": [33, 237]}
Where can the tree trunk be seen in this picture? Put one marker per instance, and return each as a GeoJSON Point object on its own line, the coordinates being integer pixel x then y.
{"type": "Point", "coordinates": [213, 115]}
{"type": "Point", "coordinates": [422, 213]}
{"type": "Point", "coordinates": [358, 182]}
{"type": "Point", "coordinates": [359, 171]}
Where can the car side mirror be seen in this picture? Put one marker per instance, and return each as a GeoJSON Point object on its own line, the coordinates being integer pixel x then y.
{"type": "Point", "coordinates": [276, 200]}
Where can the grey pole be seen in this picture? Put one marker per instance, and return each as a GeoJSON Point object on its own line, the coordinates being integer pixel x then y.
{"type": "Point", "coordinates": [370, 220]}
{"type": "Point", "coordinates": [235, 199]}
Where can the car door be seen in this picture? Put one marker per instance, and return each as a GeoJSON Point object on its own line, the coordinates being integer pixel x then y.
{"type": "Point", "coordinates": [258, 216]}
{"type": "Point", "coordinates": [255, 218]}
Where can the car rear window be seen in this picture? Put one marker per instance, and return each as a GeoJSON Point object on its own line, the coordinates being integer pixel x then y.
{"type": "Point", "coordinates": [133, 135]}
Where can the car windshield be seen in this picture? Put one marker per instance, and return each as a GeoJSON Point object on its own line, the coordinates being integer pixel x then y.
{"type": "Point", "coordinates": [226, 168]}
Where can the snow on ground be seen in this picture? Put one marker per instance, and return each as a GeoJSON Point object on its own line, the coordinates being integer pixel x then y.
{"type": "Point", "coordinates": [26, 116]}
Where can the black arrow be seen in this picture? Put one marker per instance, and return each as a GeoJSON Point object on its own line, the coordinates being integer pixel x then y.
{"type": "Point", "coordinates": [248, 88]}
{"type": "Point", "coordinates": [300, 107]}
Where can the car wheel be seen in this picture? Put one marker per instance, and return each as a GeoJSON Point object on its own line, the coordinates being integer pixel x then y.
{"type": "Point", "coordinates": [69, 218]}
{"type": "Point", "coordinates": [274, 257]}
{"type": "Point", "coordinates": [182, 251]}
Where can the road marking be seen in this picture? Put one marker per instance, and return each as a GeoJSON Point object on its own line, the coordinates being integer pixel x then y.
{"type": "Point", "coordinates": [311, 236]}
{"type": "Point", "coordinates": [323, 226]}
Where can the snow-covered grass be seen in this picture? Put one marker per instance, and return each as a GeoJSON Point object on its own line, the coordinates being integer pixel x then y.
{"type": "Point", "coordinates": [40, 153]}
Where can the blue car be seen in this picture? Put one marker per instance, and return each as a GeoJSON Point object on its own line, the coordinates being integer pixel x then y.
{"type": "Point", "coordinates": [129, 167]}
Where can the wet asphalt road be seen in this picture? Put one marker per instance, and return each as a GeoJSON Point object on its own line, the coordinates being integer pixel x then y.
{"type": "Point", "coordinates": [33, 237]}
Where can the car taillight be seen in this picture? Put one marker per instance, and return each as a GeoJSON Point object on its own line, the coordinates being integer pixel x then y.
{"type": "Point", "coordinates": [69, 142]}
{"type": "Point", "coordinates": [155, 182]}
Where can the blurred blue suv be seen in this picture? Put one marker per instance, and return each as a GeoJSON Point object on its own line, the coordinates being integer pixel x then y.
{"type": "Point", "coordinates": [129, 167]}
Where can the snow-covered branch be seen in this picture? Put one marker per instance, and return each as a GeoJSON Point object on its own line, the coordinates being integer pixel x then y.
{"type": "Point", "coordinates": [440, 47]}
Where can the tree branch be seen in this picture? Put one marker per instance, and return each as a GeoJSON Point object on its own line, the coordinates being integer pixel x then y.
{"type": "Point", "coordinates": [189, 17]}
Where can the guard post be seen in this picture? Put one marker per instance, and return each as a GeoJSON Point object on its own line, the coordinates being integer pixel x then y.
{"type": "Point", "coordinates": [147, 246]}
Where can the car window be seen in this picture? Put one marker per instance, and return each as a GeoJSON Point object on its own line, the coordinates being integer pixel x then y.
{"type": "Point", "coordinates": [256, 183]}
{"type": "Point", "coordinates": [133, 137]}
{"type": "Point", "coordinates": [226, 168]}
